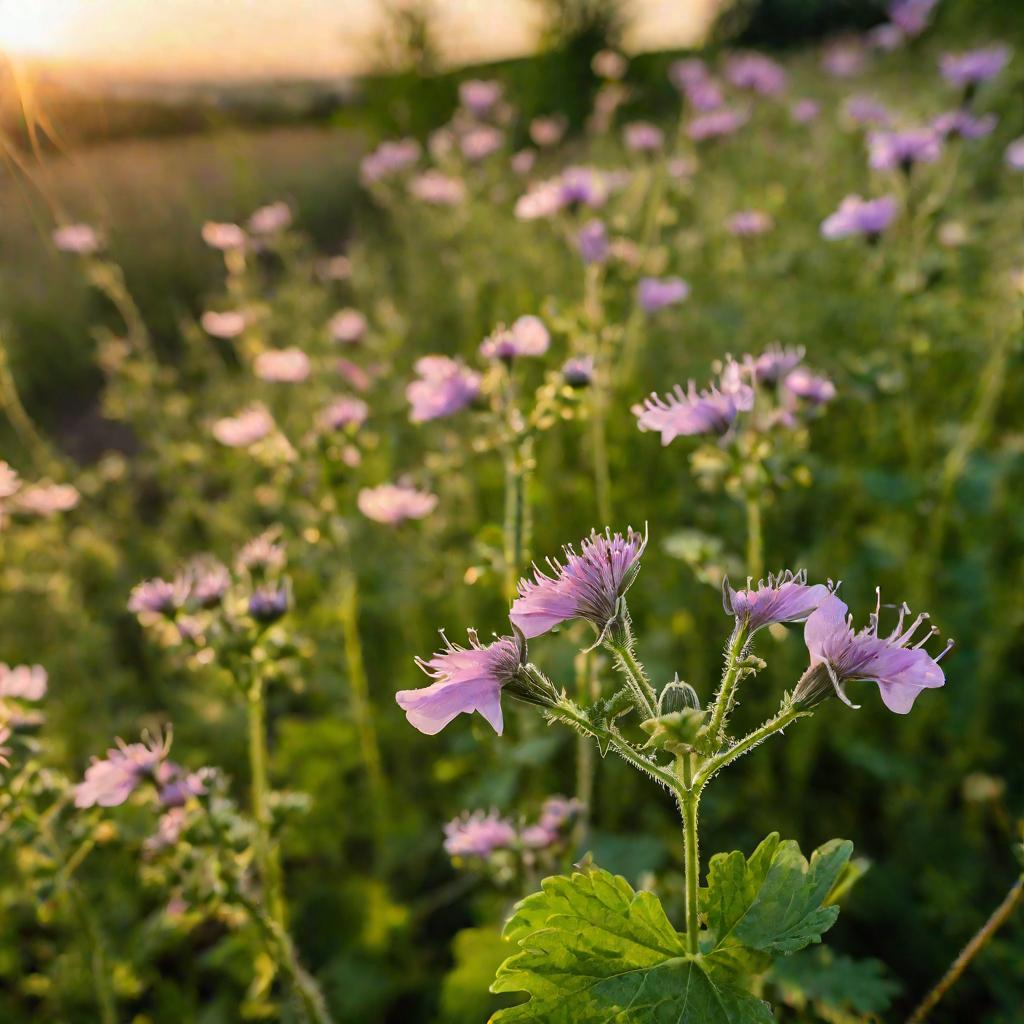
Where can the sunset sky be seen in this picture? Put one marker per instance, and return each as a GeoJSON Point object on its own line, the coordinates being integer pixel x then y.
{"type": "Point", "coordinates": [182, 39]}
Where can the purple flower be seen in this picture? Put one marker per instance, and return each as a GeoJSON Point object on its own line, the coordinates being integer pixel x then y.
{"type": "Point", "coordinates": [157, 596]}
{"type": "Point", "coordinates": [973, 66]}
{"type": "Point", "coordinates": [805, 111]}
{"type": "Point", "coordinates": [886, 37]}
{"type": "Point", "coordinates": [578, 371]}
{"type": "Point", "coordinates": [445, 386]}
{"type": "Point", "coordinates": [965, 125]}
{"type": "Point", "coordinates": [574, 187]}
{"type": "Point", "coordinates": [654, 293]}
{"type": "Point", "coordinates": [685, 413]}
{"type": "Point", "coordinates": [438, 188]}
{"type": "Point", "coordinates": [343, 412]}
{"type": "Point", "coordinates": [911, 16]}
{"type": "Point", "coordinates": [479, 97]}
{"type": "Point", "coordinates": [169, 828]}
{"type": "Point", "coordinates": [245, 429]}
{"type": "Point", "coordinates": [347, 326]}
{"type": "Point", "coordinates": [811, 387]}
{"type": "Point", "coordinates": [207, 582]}
{"type": "Point", "coordinates": [522, 162]}
{"type": "Point", "coordinates": [642, 137]}
{"type": "Point", "coordinates": [838, 655]}
{"type": "Point", "coordinates": [891, 150]}
{"type": "Point", "coordinates": [783, 598]}
{"type": "Point", "coordinates": [467, 680]}
{"type": "Point", "coordinates": [23, 682]}
{"type": "Point", "coordinates": [717, 124]}
{"type": "Point", "coordinates": [269, 602]}
{"type": "Point", "coordinates": [844, 59]}
{"type": "Point", "coordinates": [80, 239]}
{"type": "Point", "coordinates": [388, 159]}
{"type": "Point", "coordinates": [857, 216]}
{"type": "Point", "coordinates": [587, 586]}
{"type": "Point", "coordinates": [866, 110]}
{"type": "Point", "coordinates": [478, 834]}
{"type": "Point", "coordinates": [271, 219]}
{"type": "Point", "coordinates": [177, 785]}
{"type": "Point", "coordinates": [395, 503]}
{"type": "Point", "coordinates": [262, 554]}
{"type": "Point", "coordinates": [705, 95]}
{"type": "Point", "coordinates": [557, 811]}
{"type": "Point", "coordinates": [1014, 155]}
{"type": "Point", "coordinates": [690, 71]}
{"type": "Point", "coordinates": [775, 362]}
{"type": "Point", "coordinates": [747, 223]}
{"type": "Point", "coordinates": [526, 337]}
{"type": "Point", "coordinates": [756, 72]}
{"type": "Point", "coordinates": [111, 780]}
{"type": "Point", "coordinates": [282, 365]}
{"type": "Point", "coordinates": [592, 242]}
{"type": "Point", "coordinates": [548, 131]}
{"type": "Point", "coordinates": [480, 142]}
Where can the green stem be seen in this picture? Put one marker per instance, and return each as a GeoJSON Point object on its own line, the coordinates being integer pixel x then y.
{"type": "Point", "coordinates": [10, 402]}
{"type": "Point", "coordinates": [755, 538]}
{"type": "Point", "coordinates": [267, 859]}
{"type": "Point", "coordinates": [109, 279]}
{"type": "Point", "coordinates": [730, 679]}
{"type": "Point", "coordinates": [515, 526]}
{"type": "Point", "coordinates": [621, 646]}
{"type": "Point", "coordinates": [599, 451]}
{"type": "Point", "coordinates": [362, 710]}
{"type": "Point", "coordinates": [787, 713]}
{"type": "Point", "coordinates": [585, 691]}
{"type": "Point", "coordinates": [689, 802]}
{"type": "Point", "coordinates": [970, 951]}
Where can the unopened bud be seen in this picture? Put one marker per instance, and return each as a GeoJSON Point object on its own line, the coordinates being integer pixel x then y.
{"type": "Point", "coordinates": [814, 686]}
{"type": "Point", "coordinates": [678, 696]}
{"type": "Point", "coordinates": [676, 731]}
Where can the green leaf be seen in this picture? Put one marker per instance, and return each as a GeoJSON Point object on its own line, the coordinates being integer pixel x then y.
{"type": "Point", "coordinates": [593, 951]}
{"type": "Point", "coordinates": [773, 903]}
{"type": "Point", "coordinates": [833, 983]}
{"type": "Point", "coordinates": [478, 952]}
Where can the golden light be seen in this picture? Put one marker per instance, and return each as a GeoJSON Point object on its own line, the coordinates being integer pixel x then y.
{"type": "Point", "coordinates": [34, 28]}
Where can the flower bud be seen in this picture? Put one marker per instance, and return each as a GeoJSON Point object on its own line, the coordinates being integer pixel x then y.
{"type": "Point", "coordinates": [678, 696]}
{"type": "Point", "coordinates": [814, 686]}
{"type": "Point", "coordinates": [676, 731]}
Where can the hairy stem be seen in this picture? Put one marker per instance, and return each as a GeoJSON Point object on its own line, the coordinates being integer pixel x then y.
{"type": "Point", "coordinates": [644, 697]}
{"type": "Point", "coordinates": [786, 714]}
{"type": "Point", "coordinates": [585, 691]}
{"type": "Point", "coordinates": [726, 695]}
{"type": "Point", "coordinates": [688, 802]}
{"type": "Point", "coordinates": [969, 952]}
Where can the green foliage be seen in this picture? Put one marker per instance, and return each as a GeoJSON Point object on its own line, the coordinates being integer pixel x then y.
{"type": "Point", "coordinates": [833, 984]}
{"type": "Point", "coordinates": [478, 952]}
{"type": "Point", "coordinates": [593, 949]}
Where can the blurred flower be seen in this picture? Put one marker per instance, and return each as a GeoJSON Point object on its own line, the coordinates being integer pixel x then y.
{"type": "Point", "coordinates": [354, 375]}
{"type": "Point", "coordinates": [783, 598]}
{"type": "Point", "coordinates": [911, 16]}
{"type": "Point", "coordinates": [445, 386]}
{"type": "Point", "coordinates": [609, 64]}
{"type": "Point", "coordinates": [838, 655]}
{"type": "Point", "coordinates": [557, 811]}
{"type": "Point", "coordinates": [548, 131]}
{"type": "Point", "coordinates": [438, 188]}
{"type": "Point", "coordinates": [1014, 155]}
{"type": "Point", "coordinates": [478, 835]}
{"type": "Point", "coordinates": [681, 167]}
{"type": "Point", "coordinates": [526, 337]}
{"type": "Point", "coordinates": [479, 97]}
{"type": "Point", "coordinates": [267, 603]}
{"type": "Point", "coordinates": [805, 111]}
{"type": "Point", "coordinates": [271, 219]}
{"type": "Point", "coordinates": [46, 499]}
{"type": "Point", "coordinates": [111, 780]}
{"type": "Point", "coordinates": [775, 362]}
{"type": "Point", "coordinates": [388, 159]}
{"type": "Point", "coordinates": [207, 581]}
{"type": "Point", "coordinates": [952, 234]}
{"type": "Point", "coordinates": [23, 682]}
{"type": "Point", "coordinates": [481, 142]}
{"type": "Point", "coordinates": [223, 325]}
{"type": "Point", "coordinates": [592, 242]}
{"type": "Point", "coordinates": [282, 365]}
{"type": "Point", "coordinates": [686, 72]}
{"type": "Point", "coordinates": [467, 680]}
{"type": "Point", "coordinates": [866, 110]}
{"type": "Point", "coordinates": [335, 268]}
{"type": "Point", "coordinates": [756, 72]}
{"type": "Point", "coordinates": [891, 150]}
{"type": "Point", "coordinates": [157, 596]}
{"type": "Point", "coordinates": [262, 554]}
{"type": "Point", "coordinates": [685, 413]}
{"type": "Point", "coordinates": [857, 216]}
{"type": "Point", "coordinates": [347, 326]}
{"type": "Point", "coordinates": [654, 293]}
{"type": "Point", "coordinates": [716, 125]}
{"type": "Point", "coordinates": [343, 411]}
{"type": "Point", "coordinates": [811, 387]}
{"type": "Point", "coordinates": [886, 37]}
{"type": "Point", "coordinates": [974, 66]}
{"type": "Point", "coordinates": [750, 222]}
{"type": "Point", "coordinates": [642, 137]}
{"type": "Point", "coordinates": [224, 236]}
{"type": "Point", "coordinates": [578, 372]}
{"type": "Point", "coordinates": [844, 59]}
{"type": "Point", "coordinates": [964, 124]}
{"type": "Point", "coordinates": [523, 161]}
{"type": "Point", "coordinates": [177, 785]}
{"type": "Point", "coordinates": [705, 95]}
{"type": "Point", "coordinates": [80, 239]}
{"type": "Point", "coordinates": [245, 428]}
{"type": "Point", "coordinates": [9, 481]}
{"type": "Point", "coordinates": [169, 828]}
{"type": "Point", "coordinates": [395, 503]}
{"type": "Point", "coordinates": [587, 585]}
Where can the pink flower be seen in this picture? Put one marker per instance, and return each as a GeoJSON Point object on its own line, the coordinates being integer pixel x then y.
{"type": "Point", "coordinates": [438, 189]}
{"type": "Point", "coordinates": [479, 97]}
{"type": "Point", "coordinates": [224, 236]}
{"type": "Point", "coordinates": [223, 325]}
{"type": "Point", "coordinates": [244, 429]}
{"type": "Point", "coordinates": [548, 131]}
{"type": "Point", "coordinates": [478, 834]}
{"type": "Point", "coordinates": [587, 586]}
{"type": "Point", "coordinates": [46, 499]}
{"type": "Point", "coordinates": [609, 64]}
{"type": "Point", "coordinates": [467, 680]}
{"type": "Point", "coordinates": [283, 366]}
{"type": "Point", "coordinates": [642, 137]}
{"type": "Point", "coordinates": [271, 219]}
{"type": "Point", "coordinates": [805, 111]}
{"type": "Point", "coordinates": [80, 239]}
{"type": "Point", "coordinates": [343, 412]}
{"type": "Point", "coordinates": [811, 387]}
{"type": "Point", "coordinates": [685, 413]}
{"type": "Point", "coordinates": [480, 142]}
{"type": "Point", "coordinates": [110, 781]}
{"type": "Point", "coordinates": [347, 326]}
{"type": "Point", "coordinates": [23, 682]}
{"type": "Point", "coordinates": [717, 124]}
{"type": "Point", "coordinates": [526, 337]}
{"type": "Point", "coordinates": [9, 481]}
{"type": "Point", "coordinates": [747, 223]}
{"type": "Point", "coordinates": [395, 503]}
{"type": "Point", "coordinates": [523, 161]}
{"type": "Point", "coordinates": [444, 387]}
{"type": "Point", "coordinates": [783, 598]}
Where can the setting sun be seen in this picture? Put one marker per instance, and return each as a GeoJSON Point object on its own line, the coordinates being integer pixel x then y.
{"type": "Point", "coordinates": [29, 29]}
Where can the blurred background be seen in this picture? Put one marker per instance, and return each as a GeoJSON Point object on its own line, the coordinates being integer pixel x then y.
{"type": "Point", "coordinates": [150, 119]}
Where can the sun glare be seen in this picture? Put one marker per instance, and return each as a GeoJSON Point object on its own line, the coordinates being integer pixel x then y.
{"type": "Point", "coordinates": [33, 28]}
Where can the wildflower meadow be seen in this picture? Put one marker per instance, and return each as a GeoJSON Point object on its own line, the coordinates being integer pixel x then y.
{"type": "Point", "coordinates": [560, 562]}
